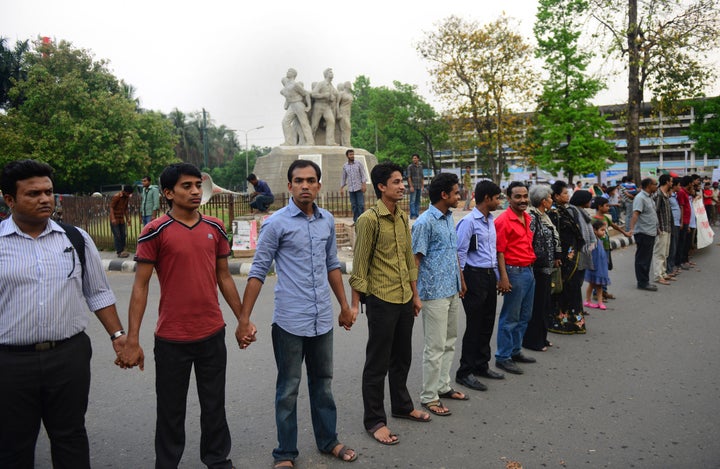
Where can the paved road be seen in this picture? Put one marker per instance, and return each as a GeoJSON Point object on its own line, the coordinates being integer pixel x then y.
{"type": "Point", "coordinates": [641, 389]}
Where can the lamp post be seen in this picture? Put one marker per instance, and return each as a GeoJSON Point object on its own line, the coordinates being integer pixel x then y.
{"type": "Point", "coordinates": [247, 149]}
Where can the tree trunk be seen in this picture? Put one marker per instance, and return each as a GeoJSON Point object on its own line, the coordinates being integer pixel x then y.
{"type": "Point", "coordinates": [635, 93]}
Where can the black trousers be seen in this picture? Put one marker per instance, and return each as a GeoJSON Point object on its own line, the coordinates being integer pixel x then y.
{"type": "Point", "coordinates": [643, 258]}
{"type": "Point", "coordinates": [52, 387]}
{"type": "Point", "coordinates": [480, 303]}
{"type": "Point", "coordinates": [388, 352]}
{"type": "Point", "coordinates": [683, 246]}
{"type": "Point", "coordinates": [173, 363]}
{"type": "Point", "coordinates": [536, 332]}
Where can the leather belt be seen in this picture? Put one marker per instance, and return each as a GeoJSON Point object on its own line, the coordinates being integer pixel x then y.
{"type": "Point", "coordinates": [482, 270]}
{"type": "Point", "coordinates": [40, 347]}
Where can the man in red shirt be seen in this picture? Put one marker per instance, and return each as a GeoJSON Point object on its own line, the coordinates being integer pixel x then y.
{"type": "Point", "coordinates": [684, 240]}
{"type": "Point", "coordinates": [189, 252]}
{"type": "Point", "coordinates": [515, 257]}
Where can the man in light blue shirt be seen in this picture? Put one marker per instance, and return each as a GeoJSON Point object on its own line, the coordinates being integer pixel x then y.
{"type": "Point", "coordinates": [300, 238]}
{"type": "Point", "coordinates": [440, 286]}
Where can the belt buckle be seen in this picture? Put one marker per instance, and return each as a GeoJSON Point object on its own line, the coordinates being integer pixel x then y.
{"type": "Point", "coordinates": [44, 346]}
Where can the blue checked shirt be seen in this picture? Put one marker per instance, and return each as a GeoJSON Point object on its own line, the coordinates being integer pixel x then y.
{"type": "Point", "coordinates": [304, 250]}
{"type": "Point", "coordinates": [43, 296]}
{"type": "Point", "coordinates": [433, 236]}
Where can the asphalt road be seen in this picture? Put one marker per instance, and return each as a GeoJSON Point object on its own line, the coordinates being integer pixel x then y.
{"type": "Point", "coordinates": [641, 390]}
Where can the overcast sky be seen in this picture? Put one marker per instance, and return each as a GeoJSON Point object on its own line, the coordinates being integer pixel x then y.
{"type": "Point", "coordinates": [229, 56]}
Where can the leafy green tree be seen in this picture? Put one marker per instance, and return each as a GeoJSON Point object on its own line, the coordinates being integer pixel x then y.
{"type": "Point", "coordinates": [485, 76]}
{"type": "Point", "coordinates": [569, 130]}
{"type": "Point", "coordinates": [705, 130]}
{"type": "Point", "coordinates": [12, 68]}
{"type": "Point", "coordinates": [664, 44]}
{"type": "Point", "coordinates": [74, 115]}
{"type": "Point", "coordinates": [395, 123]}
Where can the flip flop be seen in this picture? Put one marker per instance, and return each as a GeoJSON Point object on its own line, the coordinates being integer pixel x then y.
{"type": "Point", "coordinates": [342, 452]}
{"type": "Point", "coordinates": [377, 427]}
{"type": "Point", "coordinates": [602, 307]}
{"type": "Point", "coordinates": [452, 394]}
{"type": "Point", "coordinates": [590, 305]}
{"type": "Point", "coordinates": [412, 417]}
{"type": "Point", "coordinates": [429, 407]}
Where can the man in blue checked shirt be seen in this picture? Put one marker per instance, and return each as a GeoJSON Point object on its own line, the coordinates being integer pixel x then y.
{"type": "Point", "coordinates": [300, 238]}
{"type": "Point", "coordinates": [440, 286]}
{"type": "Point", "coordinates": [44, 300]}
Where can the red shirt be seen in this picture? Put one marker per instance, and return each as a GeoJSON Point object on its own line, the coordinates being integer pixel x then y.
{"type": "Point", "coordinates": [185, 258]}
{"type": "Point", "coordinates": [684, 201]}
{"type": "Point", "coordinates": [707, 196]}
{"type": "Point", "coordinates": [514, 240]}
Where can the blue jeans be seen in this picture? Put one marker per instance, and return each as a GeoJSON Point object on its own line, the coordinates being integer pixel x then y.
{"type": "Point", "coordinates": [119, 233]}
{"type": "Point", "coordinates": [516, 312]}
{"type": "Point", "coordinates": [290, 350]}
{"type": "Point", "coordinates": [415, 203]}
{"type": "Point", "coordinates": [262, 202]}
{"type": "Point", "coordinates": [357, 202]}
{"type": "Point", "coordinates": [146, 219]}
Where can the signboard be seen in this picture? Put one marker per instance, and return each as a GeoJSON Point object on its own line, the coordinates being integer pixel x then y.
{"type": "Point", "coordinates": [245, 235]}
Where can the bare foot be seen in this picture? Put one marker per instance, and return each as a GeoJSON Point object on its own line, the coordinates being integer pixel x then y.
{"type": "Point", "coordinates": [384, 436]}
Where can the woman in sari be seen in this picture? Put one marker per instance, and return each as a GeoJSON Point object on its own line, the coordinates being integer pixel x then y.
{"type": "Point", "coordinates": [566, 316]}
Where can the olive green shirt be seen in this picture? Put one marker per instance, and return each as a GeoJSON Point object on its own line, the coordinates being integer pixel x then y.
{"type": "Point", "coordinates": [383, 263]}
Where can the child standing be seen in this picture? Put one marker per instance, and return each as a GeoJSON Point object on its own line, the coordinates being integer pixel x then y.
{"type": "Point", "coordinates": [599, 276]}
{"type": "Point", "coordinates": [602, 207]}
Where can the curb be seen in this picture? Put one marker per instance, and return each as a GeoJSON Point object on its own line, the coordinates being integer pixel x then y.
{"type": "Point", "coordinates": [236, 267]}
{"type": "Point", "coordinates": [621, 242]}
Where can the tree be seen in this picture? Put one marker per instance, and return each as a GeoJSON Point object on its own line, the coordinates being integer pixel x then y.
{"type": "Point", "coordinates": [395, 122]}
{"type": "Point", "coordinates": [12, 68]}
{"type": "Point", "coordinates": [663, 44]}
{"type": "Point", "coordinates": [569, 133]}
{"type": "Point", "coordinates": [484, 75]}
{"type": "Point", "coordinates": [705, 130]}
{"type": "Point", "coordinates": [73, 114]}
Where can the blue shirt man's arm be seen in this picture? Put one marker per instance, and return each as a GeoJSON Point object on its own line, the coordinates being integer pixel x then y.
{"type": "Point", "coordinates": [464, 233]}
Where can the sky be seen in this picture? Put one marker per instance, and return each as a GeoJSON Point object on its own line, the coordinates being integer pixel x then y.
{"type": "Point", "coordinates": [228, 56]}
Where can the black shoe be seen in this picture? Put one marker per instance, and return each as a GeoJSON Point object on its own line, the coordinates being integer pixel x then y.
{"type": "Point", "coordinates": [490, 374]}
{"type": "Point", "coordinates": [520, 358]}
{"type": "Point", "coordinates": [471, 382]}
{"type": "Point", "coordinates": [648, 287]}
{"type": "Point", "coordinates": [509, 366]}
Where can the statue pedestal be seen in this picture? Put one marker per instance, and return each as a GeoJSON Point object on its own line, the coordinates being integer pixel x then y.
{"type": "Point", "coordinates": [272, 168]}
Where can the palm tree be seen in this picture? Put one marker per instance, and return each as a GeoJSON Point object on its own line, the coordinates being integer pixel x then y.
{"type": "Point", "coordinates": [12, 69]}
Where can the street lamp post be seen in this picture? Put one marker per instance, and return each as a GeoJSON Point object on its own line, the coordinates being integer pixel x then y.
{"type": "Point", "coordinates": [247, 149]}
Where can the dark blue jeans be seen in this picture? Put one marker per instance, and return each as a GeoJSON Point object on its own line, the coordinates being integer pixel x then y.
{"type": "Point", "coordinates": [290, 350]}
{"type": "Point", "coordinates": [415, 202]}
{"type": "Point", "coordinates": [643, 258]}
{"type": "Point", "coordinates": [357, 202]}
{"type": "Point", "coordinates": [516, 312]}
{"type": "Point", "coordinates": [262, 202]}
{"type": "Point", "coordinates": [119, 233]}
{"type": "Point", "coordinates": [173, 364]}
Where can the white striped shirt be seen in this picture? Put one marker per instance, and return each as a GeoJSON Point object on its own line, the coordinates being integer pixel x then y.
{"type": "Point", "coordinates": [42, 294]}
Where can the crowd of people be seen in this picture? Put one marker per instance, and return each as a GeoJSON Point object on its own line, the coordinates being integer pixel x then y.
{"type": "Point", "coordinates": [536, 256]}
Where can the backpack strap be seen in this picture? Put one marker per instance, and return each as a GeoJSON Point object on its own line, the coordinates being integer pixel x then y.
{"type": "Point", "coordinates": [78, 241]}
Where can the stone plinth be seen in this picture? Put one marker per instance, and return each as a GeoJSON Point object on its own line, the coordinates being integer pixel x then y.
{"type": "Point", "coordinates": [272, 168]}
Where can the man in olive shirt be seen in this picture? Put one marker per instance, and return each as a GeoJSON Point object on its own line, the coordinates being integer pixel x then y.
{"type": "Point", "coordinates": [384, 270]}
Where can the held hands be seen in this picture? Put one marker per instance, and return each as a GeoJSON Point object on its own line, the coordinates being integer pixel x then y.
{"type": "Point", "coordinates": [245, 334]}
{"type": "Point", "coordinates": [129, 354]}
{"type": "Point", "coordinates": [504, 286]}
{"type": "Point", "coordinates": [347, 317]}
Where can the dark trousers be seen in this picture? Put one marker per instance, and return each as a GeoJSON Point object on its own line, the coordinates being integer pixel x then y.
{"type": "Point", "coordinates": [683, 246]}
{"type": "Point", "coordinates": [480, 303]}
{"type": "Point", "coordinates": [388, 352]}
{"type": "Point", "coordinates": [173, 363]}
{"type": "Point", "coordinates": [536, 332]}
{"type": "Point", "coordinates": [119, 233]}
{"type": "Point", "coordinates": [643, 258]}
{"type": "Point", "coordinates": [672, 253]}
{"type": "Point", "coordinates": [51, 387]}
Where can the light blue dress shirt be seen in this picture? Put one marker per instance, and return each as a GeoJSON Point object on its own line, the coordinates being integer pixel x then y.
{"type": "Point", "coordinates": [475, 223]}
{"type": "Point", "coordinates": [304, 250]}
{"type": "Point", "coordinates": [433, 236]}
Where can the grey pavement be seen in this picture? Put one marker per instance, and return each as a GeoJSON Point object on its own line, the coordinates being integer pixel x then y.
{"type": "Point", "coordinates": [639, 390]}
{"type": "Point", "coordinates": [241, 266]}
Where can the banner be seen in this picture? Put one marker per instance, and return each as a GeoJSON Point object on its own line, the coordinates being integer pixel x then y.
{"type": "Point", "coordinates": [705, 232]}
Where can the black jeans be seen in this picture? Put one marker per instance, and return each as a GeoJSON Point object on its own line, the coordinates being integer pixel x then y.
{"type": "Point", "coordinates": [643, 258]}
{"type": "Point", "coordinates": [536, 332]}
{"type": "Point", "coordinates": [173, 363]}
{"type": "Point", "coordinates": [683, 246]}
{"type": "Point", "coordinates": [388, 352]}
{"type": "Point", "coordinates": [51, 387]}
{"type": "Point", "coordinates": [480, 303]}
{"type": "Point", "coordinates": [119, 233]}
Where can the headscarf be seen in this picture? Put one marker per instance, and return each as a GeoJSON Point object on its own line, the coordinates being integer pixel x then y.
{"type": "Point", "coordinates": [578, 199]}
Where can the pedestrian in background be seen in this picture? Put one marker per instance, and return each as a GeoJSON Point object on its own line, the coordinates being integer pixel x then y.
{"type": "Point", "coordinates": [120, 218]}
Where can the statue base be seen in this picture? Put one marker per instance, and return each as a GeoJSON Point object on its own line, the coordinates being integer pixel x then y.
{"type": "Point", "coordinates": [272, 168]}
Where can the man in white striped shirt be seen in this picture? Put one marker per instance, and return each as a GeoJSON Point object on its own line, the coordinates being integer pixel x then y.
{"type": "Point", "coordinates": [44, 301]}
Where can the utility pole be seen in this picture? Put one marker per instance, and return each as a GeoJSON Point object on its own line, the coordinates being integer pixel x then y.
{"type": "Point", "coordinates": [205, 140]}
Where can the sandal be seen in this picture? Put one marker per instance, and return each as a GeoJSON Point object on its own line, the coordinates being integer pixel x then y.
{"type": "Point", "coordinates": [372, 432]}
{"type": "Point", "coordinates": [602, 307]}
{"type": "Point", "coordinates": [453, 394]}
{"type": "Point", "coordinates": [283, 463]}
{"type": "Point", "coordinates": [342, 452]}
{"type": "Point", "coordinates": [590, 305]}
{"type": "Point", "coordinates": [436, 408]}
{"type": "Point", "coordinates": [424, 418]}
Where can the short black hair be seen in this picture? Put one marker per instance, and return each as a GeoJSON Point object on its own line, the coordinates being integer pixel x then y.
{"type": "Point", "coordinates": [664, 178]}
{"type": "Point", "coordinates": [23, 169]}
{"type": "Point", "coordinates": [597, 224]}
{"type": "Point", "coordinates": [300, 163]}
{"type": "Point", "coordinates": [646, 182]}
{"type": "Point", "coordinates": [598, 202]}
{"type": "Point", "coordinates": [513, 185]}
{"type": "Point", "coordinates": [348, 151]}
{"type": "Point", "coordinates": [251, 177]}
{"type": "Point", "coordinates": [380, 174]}
{"type": "Point", "coordinates": [558, 187]}
{"type": "Point", "coordinates": [172, 173]}
{"type": "Point", "coordinates": [127, 188]}
{"type": "Point", "coordinates": [443, 182]}
{"type": "Point", "coordinates": [486, 189]}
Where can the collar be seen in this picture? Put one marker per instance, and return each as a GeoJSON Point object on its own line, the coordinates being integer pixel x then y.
{"type": "Point", "coordinates": [8, 227]}
{"type": "Point", "coordinates": [479, 215]}
{"type": "Point", "coordinates": [295, 210]}
{"type": "Point", "coordinates": [435, 212]}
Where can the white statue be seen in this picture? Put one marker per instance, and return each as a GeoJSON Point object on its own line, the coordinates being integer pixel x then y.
{"type": "Point", "coordinates": [324, 97]}
{"type": "Point", "coordinates": [295, 124]}
{"type": "Point", "coordinates": [345, 99]}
